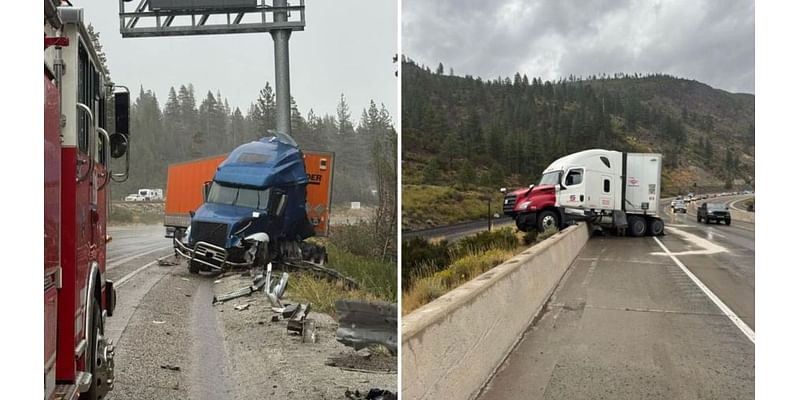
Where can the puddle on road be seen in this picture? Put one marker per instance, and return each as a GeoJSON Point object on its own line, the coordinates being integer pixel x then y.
{"type": "Point", "coordinates": [698, 244]}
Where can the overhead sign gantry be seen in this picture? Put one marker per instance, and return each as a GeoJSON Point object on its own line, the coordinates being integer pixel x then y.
{"type": "Point", "coordinates": [154, 18]}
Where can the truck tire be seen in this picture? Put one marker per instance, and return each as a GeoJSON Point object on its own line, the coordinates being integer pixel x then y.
{"type": "Point", "coordinates": [637, 226]}
{"type": "Point", "coordinates": [91, 350]}
{"type": "Point", "coordinates": [699, 219]}
{"type": "Point", "coordinates": [727, 222]}
{"type": "Point", "coordinates": [655, 227]}
{"type": "Point", "coordinates": [546, 219]}
{"type": "Point", "coordinates": [708, 220]}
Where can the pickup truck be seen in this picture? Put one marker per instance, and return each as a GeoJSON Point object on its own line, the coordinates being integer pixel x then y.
{"type": "Point", "coordinates": [713, 212]}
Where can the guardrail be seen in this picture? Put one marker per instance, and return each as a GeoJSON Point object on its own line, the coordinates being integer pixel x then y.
{"type": "Point", "coordinates": [453, 345]}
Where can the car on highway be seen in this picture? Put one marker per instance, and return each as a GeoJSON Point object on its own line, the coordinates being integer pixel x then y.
{"type": "Point", "coordinates": [134, 197]}
{"type": "Point", "coordinates": [679, 206]}
{"type": "Point", "coordinates": [716, 212]}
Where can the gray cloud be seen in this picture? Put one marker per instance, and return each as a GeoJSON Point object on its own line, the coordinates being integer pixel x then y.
{"type": "Point", "coordinates": [712, 41]}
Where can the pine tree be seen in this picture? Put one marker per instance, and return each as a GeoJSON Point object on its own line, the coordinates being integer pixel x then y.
{"type": "Point", "coordinates": [264, 113]}
{"type": "Point", "coordinates": [343, 123]}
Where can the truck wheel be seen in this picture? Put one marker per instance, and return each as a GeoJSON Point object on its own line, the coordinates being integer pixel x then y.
{"type": "Point", "coordinates": [708, 221]}
{"type": "Point", "coordinates": [547, 219]}
{"type": "Point", "coordinates": [699, 219]}
{"type": "Point", "coordinates": [655, 227]}
{"type": "Point", "coordinates": [96, 327]}
{"type": "Point", "coordinates": [636, 226]}
{"type": "Point", "coordinates": [194, 267]}
{"type": "Point", "coordinates": [727, 222]}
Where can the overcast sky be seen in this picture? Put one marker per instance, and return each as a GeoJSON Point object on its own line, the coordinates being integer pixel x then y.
{"type": "Point", "coordinates": [347, 47]}
{"type": "Point", "coordinates": [712, 41]}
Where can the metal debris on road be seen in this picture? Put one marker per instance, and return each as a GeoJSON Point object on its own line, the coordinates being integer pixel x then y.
{"type": "Point", "coordinates": [364, 323]}
{"type": "Point", "coordinates": [299, 324]}
{"type": "Point", "coordinates": [171, 367]}
{"type": "Point", "coordinates": [241, 307]}
{"type": "Point", "coordinates": [158, 322]}
{"type": "Point", "coordinates": [373, 394]}
{"type": "Point", "coordinates": [163, 262]}
{"type": "Point", "coordinates": [274, 290]}
{"type": "Point", "coordinates": [245, 291]}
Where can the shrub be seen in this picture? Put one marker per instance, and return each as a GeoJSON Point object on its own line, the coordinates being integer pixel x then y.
{"type": "Point", "coordinates": [550, 231]}
{"type": "Point", "coordinates": [497, 239]}
{"type": "Point", "coordinates": [420, 254]}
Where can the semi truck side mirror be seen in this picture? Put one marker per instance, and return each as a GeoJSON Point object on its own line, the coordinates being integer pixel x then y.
{"type": "Point", "coordinates": [119, 145]}
{"type": "Point", "coordinates": [206, 190]}
{"type": "Point", "coordinates": [122, 106]}
{"type": "Point", "coordinates": [119, 139]}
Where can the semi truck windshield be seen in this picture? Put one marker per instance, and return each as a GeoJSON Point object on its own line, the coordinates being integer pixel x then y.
{"type": "Point", "coordinates": [242, 197]}
{"type": "Point", "coordinates": [550, 178]}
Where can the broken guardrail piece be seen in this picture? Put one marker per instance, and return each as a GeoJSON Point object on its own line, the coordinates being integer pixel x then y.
{"type": "Point", "coordinates": [305, 327]}
{"type": "Point", "coordinates": [363, 323]}
{"type": "Point", "coordinates": [258, 283]}
{"type": "Point", "coordinates": [274, 291]}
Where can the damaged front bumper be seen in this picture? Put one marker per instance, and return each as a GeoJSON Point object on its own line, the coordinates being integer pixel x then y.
{"type": "Point", "coordinates": [209, 255]}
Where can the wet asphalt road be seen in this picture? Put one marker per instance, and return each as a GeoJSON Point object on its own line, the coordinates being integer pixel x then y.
{"type": "Point", "coordinates": [626, 322]}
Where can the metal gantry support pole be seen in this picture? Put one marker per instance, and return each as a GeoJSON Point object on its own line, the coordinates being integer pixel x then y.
{"type": "Point", "coordinates": [282, 93]}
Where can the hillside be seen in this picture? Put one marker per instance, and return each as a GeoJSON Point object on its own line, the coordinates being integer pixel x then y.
{"type": "Point", "coordinates": [478, 135]}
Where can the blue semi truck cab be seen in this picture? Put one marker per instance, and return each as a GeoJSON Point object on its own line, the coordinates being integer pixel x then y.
{"type": "Point", "coordinates": [254, 210]}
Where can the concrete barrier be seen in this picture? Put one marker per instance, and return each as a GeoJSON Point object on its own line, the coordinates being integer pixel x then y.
{"type": "Point", "coordinates": [453, 345]}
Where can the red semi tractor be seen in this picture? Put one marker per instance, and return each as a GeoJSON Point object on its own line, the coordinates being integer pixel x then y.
{"type": "Point", "coordinates": [78, 359]}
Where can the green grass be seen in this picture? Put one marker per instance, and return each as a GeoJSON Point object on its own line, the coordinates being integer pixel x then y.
{"type": "Point", "coordinates": [429, 205]}
{"type": "Point", "coordinates": [377, 281]}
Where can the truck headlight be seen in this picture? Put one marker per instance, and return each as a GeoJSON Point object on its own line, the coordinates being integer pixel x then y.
{"type": "Point", "coordinates": [524, 205]}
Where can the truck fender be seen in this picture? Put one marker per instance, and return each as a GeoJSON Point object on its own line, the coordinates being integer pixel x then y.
{"type": "Point", "coordinates": [258, 237]}
{"type": "Point", "coordinates": [91, 297]}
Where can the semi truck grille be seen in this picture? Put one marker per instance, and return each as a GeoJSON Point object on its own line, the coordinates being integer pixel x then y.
{"type": "Point", "coordinates": [211, 232]}
{"type": "Point", "coordinates": [508, 203]}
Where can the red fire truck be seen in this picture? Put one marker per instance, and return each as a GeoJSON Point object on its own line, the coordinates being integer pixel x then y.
{"type": "Point", "coordinates": [78, 359]}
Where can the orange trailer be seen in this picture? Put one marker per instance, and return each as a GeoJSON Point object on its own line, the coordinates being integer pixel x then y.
{"type": "Point", "coordinates": [185, 188]}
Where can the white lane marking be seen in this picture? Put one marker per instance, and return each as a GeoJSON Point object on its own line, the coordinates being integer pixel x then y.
{"type": "Point", "coordinates": [125, 278]}
{"type": "Point", "coordinates": [116, 262]}
{"type": "Point", "coordinates": [707, 246]}
{"type": "Point", "coordinates": [724, 308]}
{"type": "Point", "coordinates": [710, 234]}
